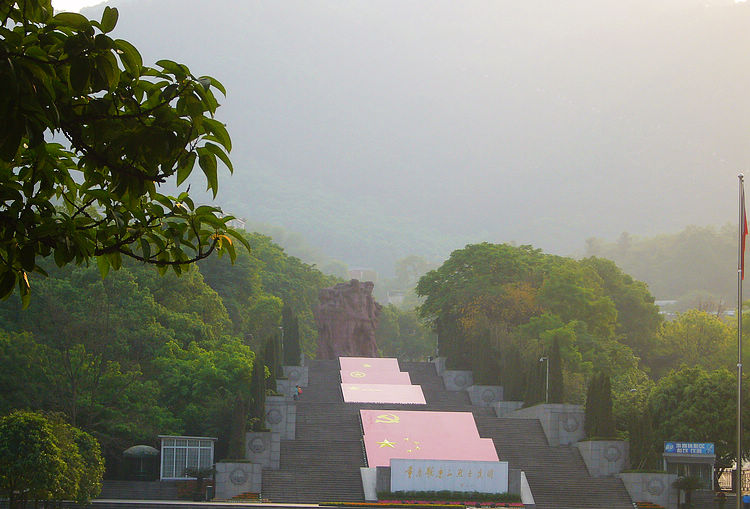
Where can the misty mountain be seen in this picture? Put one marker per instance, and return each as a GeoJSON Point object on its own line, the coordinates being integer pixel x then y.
{"type": "Point", "coordinates": [383, 128]}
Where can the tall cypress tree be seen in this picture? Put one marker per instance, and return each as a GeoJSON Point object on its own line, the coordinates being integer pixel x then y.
{"type": "Point", "coordinates": [590, 411]}
{"type": "Point", "coordinates": [607, 424]}
{"type": "Point", "coordinates": [258, 390]}
{"type": "Point", "coordinates": [598, 414]}
{"type": "Point", "coordinates": [291, 346]}
{"type": "Point", "coordinates": [534, 384]}
{"type": "Point", "coordinates": [556, 384]}
{"type": "Point", "coordinates": [271, 360]}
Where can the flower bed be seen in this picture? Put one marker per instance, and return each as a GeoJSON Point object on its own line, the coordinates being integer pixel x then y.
{"type": "Point", "coordinates": [450, 503]}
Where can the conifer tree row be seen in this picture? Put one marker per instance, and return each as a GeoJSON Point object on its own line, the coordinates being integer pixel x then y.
{"type": "Point", "coordinates": [599, 420]}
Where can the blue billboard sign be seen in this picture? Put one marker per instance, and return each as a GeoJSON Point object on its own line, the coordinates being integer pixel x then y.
{"type": "Point", "coordinates": [706, 448]}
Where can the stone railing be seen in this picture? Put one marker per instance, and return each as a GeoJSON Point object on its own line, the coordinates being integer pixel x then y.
{"type": "Point", "coordinates": [651, 487]}
{"type": "Point", "coordinates": [605, 458]}
{"type": "Point", "coordinates": [562, 423]}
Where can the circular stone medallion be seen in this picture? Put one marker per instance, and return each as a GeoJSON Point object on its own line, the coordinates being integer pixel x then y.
{"type": "Point", "coordinates": [274, 416]}
{"type": "Point", "coordinates": [257, 445]}
{"type": "Point", "coordinates": [655, 486]}
{"type": "Point", "coordinates": [460, 380]}
{"type": "Point", "coordinates": [612, 453]}
{"type": "Point", "coordinates": [238, 476]}
{"type": "Point", "coordinates": [488, 395]}
{"type": "Point", "coordinates": [570, 423]}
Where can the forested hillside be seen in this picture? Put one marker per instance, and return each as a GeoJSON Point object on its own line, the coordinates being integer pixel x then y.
{"type": "Point", "coordinates": [697, 265]}
{"type": "Point", "coordinates": [136, 354]}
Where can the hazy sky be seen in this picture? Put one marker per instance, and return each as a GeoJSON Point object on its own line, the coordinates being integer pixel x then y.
{"type": "Point", "coordinates": [541, 121]}
{"type": "Point", "coordinates": [73, 5]}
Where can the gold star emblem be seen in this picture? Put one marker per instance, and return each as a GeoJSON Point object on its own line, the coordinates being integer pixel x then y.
{"type": "Point", "coordinates": [366, 365]}
{"type": "Point", "coordinates": [387, 443]}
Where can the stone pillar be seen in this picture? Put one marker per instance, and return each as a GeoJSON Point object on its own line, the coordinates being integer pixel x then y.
{"type": "Point", "coordinates": [263, 448]}
{"type": "Point", "coordinates": [284, 386]}
{"type": "Point", "coordinates": [605, 458]}
{"type": "Point", "coordinates": [297, 375]}
{"type": "Point", "coordinates": [281, 416]}
{"type": "Point", "coordinates": [383, 476]}
{"type": "Point", "coordinates": [236, 477]}
{"type": "Point", "coordinates": [562, 423]}
{"type": "Point", "coordinates": [369, 483]}
{"type": "Point", "coordinates": [485, 395]}
{"type": "Point", "coordinates": [439, 363]}
{"type": "Point", "coordinates": [654, 488]}
{"type": "Point", "coordinates": [457, 380]}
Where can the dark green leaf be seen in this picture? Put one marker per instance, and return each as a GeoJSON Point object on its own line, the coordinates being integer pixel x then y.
{"type": "Point", "coordinates": [61, 256]}
{"type": "Point", "coordinates": [108, 69]}
{"type": "Point", "coordinates": [220, 131]}
{"type": "Point", "coordinates": [74, 20]}
{"type": "Point", "coordinates": [109, 19]}
{"type": "Point", "coordinates": [80, 71]}
{"type": "Point", "coordinates": [103, 263]}
{"type": "Point", "coordinates": [179, 70]}
{"type": "Point", "coordinates": [103, 42]}
{"type": "Point", "coordinates": [28, 254]}
{"type": "Point", "coordinates": [145, 249]}
{"type": "Point", "coordinates": [7, 282]}
{"type": "Point", "coordinates": [207, 162]}
{"type": "Point", "coordinates": [10, 142]}
{"type": "Point", "coordinates": [221, 155]}
{"type": "Point", "coordinates": [185, 168]}
{"type": "Point", "coordinates": [129, 56]}
{"type": "Point", "coordinates": [115, 259]}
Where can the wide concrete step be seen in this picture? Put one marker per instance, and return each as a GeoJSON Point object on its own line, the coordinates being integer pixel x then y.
{"type": "Point", "coordinates": [322, 464]}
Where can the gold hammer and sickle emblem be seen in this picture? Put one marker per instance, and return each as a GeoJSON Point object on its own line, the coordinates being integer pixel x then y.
{"type": "Point", "coordinates": [388, 418]}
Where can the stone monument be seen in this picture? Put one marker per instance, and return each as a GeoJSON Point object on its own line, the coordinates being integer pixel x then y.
{"type": "Point", "coordinates": [347, 316]}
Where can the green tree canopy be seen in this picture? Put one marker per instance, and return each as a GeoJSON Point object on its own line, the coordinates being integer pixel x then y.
{"type": "Point", "coordinates": [31, 462]}
{"type": "Point", "coordinates": [696, 405]}
{"type": "Point", "coordinates": [695, 338]}
{"type": "Point", "coordinates": [47, 459]}
{"type": "Point", "coordinates": [496, 300]}
{"type": "Point", "coordinates": [89, 134]}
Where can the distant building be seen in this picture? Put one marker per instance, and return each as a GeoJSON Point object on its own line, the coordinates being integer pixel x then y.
{"type": "Point", "coordinates": [395, 297]}
{"type": "Point", "coordinates": [666, 309]}
{"type": "Point", "coordinates": [363, 274]}
{"type": "Point", "coordinates": [237, 223]}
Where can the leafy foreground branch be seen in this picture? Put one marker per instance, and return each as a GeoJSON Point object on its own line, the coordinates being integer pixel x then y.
{"type": "Point", "coordinates": [126, 128]}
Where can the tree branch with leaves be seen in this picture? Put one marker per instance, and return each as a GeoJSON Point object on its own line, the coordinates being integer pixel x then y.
{"type": "Point", "coordinates": [89, 134]}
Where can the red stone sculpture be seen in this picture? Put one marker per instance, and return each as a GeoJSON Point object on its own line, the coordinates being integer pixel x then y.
{"type": "Point", "coordinates": [347, 316]}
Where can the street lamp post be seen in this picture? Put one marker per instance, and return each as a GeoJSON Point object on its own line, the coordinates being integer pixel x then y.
{"type": "Point", "coordinates": [546, 381]}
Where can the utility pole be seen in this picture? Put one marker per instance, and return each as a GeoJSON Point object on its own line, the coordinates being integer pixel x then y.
{"type": "Point", "coordinates": [546, 381]}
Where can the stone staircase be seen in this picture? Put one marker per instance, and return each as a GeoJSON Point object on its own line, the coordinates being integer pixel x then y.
{"type": "Point", "coordinates": [557, 476]}
{"type": "Point", "coordinates": [322, 464]}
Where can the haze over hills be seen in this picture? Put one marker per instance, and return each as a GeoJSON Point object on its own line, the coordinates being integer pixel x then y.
{"type": "Point", "coordinates": [396, 127]}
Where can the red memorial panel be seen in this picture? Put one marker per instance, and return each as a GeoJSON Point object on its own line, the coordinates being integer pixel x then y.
{"type": "Point", "coordinates": [423, 435]}
{"type": "Point", "coordinates": [382, 393]}
{"type": "Point", "coordinates": [368, 364]}
{"type": "Point", "coordinates": [375, 377]}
